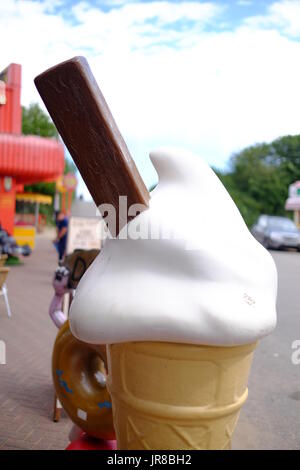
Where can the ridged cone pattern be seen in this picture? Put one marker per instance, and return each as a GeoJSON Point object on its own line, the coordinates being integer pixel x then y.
{"type": "Point", "coordinates": [177, 396]}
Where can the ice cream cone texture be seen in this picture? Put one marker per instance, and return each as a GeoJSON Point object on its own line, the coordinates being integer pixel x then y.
{"type": "Point", "coordinates": [186, 270]}
{"type": "Point", "coordinates": [175, 395]}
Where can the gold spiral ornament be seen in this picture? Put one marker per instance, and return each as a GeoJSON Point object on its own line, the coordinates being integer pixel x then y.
{"type": "Point", "coordinates": [79, 378]}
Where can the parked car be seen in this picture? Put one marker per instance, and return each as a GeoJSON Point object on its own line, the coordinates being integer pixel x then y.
{"type": "Point", "coordinates": [276, 232]}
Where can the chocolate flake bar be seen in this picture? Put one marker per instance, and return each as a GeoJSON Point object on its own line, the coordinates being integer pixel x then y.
{"type": "Point", "coordinates": [87, 127]}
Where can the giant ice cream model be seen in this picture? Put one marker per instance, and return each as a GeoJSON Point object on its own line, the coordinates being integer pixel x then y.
{"type": "Point", "coordinates": [180, 298]}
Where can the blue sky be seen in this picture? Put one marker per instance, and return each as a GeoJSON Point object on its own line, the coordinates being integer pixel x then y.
{"type": "Point", "coordinates": [238, 8]}
{"type": "Point", "coordinates": [209, 76]}
{"type": "Point", "coordinates": [233, 10]}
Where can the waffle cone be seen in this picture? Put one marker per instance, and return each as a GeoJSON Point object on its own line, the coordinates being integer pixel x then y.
{"type": "Point", "coordinates": [177, 396]}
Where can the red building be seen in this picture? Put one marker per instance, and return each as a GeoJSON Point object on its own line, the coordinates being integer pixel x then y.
{"type": "Point", "coordinates": [23, 159]}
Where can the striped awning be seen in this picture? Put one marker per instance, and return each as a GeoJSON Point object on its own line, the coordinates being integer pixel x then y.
{"type": "Point", "coordinates": [34, 197]}
{"type": "Point", "coordinates": [30, 158]}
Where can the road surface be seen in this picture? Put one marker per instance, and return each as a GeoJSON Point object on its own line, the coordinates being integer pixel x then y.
{"type": "Point", "coordinates": [270, 418]}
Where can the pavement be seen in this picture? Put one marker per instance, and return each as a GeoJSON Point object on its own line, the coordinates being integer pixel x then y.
{"type": "Point", "coordinates": [269, 419]}
{"type": "Point", "coordinates": [26, 391]}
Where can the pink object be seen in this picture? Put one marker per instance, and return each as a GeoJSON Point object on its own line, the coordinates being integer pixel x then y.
{"type": "Point", "coordinates": [60, 285]}
{"type": "Point", "coordinates": [11, 111]}
{"type": "Point", "coordinates": [86, 442]}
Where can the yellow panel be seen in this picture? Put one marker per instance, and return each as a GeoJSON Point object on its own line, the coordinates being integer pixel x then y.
{"type": "Point", "coordinates": [24, 235]}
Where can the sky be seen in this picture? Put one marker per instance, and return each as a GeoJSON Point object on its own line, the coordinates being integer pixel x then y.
{"type": "Point", "coordinates": [208, 76]}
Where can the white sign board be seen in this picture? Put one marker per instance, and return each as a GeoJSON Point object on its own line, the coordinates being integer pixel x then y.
{"type": "Point", "coordinates": [84, 233]}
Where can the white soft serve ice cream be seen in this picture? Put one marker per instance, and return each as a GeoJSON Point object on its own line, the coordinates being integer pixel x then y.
{"type": "Point", "coordinates": [205, 280]}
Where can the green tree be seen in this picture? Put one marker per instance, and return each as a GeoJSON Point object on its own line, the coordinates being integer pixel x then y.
{"type": "Point", "coordinates": [248, 206]}
{"type": "Point", "coordinates": [259, 176]}
{"type": "Point", "coordinates": [36, 122]}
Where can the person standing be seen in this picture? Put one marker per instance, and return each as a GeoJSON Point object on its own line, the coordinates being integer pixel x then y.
{"type": "Point", "coordinates": [62, 232]}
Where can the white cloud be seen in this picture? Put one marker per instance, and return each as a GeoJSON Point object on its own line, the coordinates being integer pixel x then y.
{"type": "Point", "coordinates": [214, 93]}
{"type": "Point", "coordinates": [283, 15]}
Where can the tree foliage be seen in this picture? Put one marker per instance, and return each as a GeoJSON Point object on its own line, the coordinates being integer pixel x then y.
{"type": "Point", "coordinates": [36, 122]}
{"type": "Point", "coordinates": [259, 176]}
